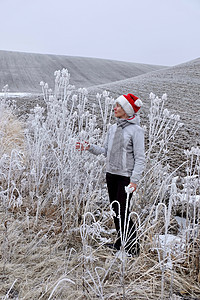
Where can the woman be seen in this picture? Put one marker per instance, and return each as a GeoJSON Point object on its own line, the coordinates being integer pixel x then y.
{"type": "Point", "coordinates": [125, 160]}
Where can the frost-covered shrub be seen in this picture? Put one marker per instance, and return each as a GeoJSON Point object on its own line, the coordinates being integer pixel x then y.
{"type": "Point", "coordinates": [58, 174]}
{"type": "Point", "coordinates": [12, 156]}
{"type": "Point", "coordinates": [162, 129]}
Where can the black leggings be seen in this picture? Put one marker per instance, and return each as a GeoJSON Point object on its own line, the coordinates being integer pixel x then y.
{"type": "Point", "coordinates": [116, 190]}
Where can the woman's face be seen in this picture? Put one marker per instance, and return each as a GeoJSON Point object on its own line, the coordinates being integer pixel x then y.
{"type": "Point", "coordinates": [119, 112]}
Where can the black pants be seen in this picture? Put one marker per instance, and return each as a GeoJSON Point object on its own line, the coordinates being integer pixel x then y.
{"type": "Point", "coordinates": [116, 190]}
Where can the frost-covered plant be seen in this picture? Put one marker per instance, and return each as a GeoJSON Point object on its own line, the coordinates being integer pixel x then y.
{"type": "Point", "coordinates": [188, 206]}
{"type": "Point", "coordinates": [105, 110]}
{"type": "Point", "coordinates": [164, 253]}
{"type": "Point", "coordinates": [71, 179]}
{"type": "Point", "coordinates": [12, 156]}
{"type": "Point", "coordinates": [183, 248]}
{"type": "Point", "coordinates": [128, 236]}
{"type": "Point", "coordinates": [90, 231]}
{"type": "Point", "coordinates": [5, 90]}
{"type": "Point", "coordinates": [163, 127]}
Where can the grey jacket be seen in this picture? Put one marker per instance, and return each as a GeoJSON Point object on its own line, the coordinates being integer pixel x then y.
{"type": "Point", "coordinates": [133, 157]}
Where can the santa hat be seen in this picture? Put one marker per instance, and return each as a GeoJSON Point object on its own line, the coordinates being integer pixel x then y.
{"type": "Point", "coordinates": [130, 103]}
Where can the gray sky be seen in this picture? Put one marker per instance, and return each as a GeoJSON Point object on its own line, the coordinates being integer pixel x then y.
{"type": "Point", "coordinates": [165, 32]}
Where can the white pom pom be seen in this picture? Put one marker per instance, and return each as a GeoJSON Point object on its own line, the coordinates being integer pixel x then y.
{"type": "Point", "coordinates": [138, 103]}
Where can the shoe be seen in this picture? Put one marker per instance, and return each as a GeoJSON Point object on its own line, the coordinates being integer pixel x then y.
{"type": "Point", "coordinates": [110, 245]}
{"type": "Point", "coordinates": [117, 245]}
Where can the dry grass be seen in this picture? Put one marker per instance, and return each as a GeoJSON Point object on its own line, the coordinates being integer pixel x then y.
{"type": "Point", "coordinates": [36, 258]}
{"type": "Point", "coordinates": [11, 132]}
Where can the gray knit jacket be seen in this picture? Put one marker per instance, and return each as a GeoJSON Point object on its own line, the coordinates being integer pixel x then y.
{"type": "Point", "coordinates": [133, 157]}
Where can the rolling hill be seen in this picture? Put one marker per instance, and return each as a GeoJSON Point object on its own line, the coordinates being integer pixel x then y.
{"type": "Point", "coordinates": [24, 71]}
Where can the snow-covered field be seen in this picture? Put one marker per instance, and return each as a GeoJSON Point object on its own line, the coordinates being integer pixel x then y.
{"type": "Point", "coordinates": [17, 95]}
{"type": "Point", "coordinates": [56, 218]}
{"type": "Point", "coordinates": [24, 71]}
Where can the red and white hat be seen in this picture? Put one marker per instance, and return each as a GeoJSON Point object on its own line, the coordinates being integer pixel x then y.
{"type": "Point", "coordinates": [130, 103]}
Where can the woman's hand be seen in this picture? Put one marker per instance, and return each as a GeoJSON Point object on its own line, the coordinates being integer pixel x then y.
{"type": "Point", "coordinates": [82, 146]}
{"type": "Point", "coordinates": [130, 188]}
{"type": "Point", "coordinates": [133, 186]}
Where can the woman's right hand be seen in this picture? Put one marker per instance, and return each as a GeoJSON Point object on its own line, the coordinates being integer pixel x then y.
{"type": "Point", "coordinates": [82, 146]}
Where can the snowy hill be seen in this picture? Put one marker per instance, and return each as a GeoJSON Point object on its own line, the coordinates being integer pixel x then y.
{"type": "Point", "coordinates": [24, 71]}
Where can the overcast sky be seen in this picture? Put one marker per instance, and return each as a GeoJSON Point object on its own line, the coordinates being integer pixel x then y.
{"type": "Point", "coordinates": [164, 32]}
